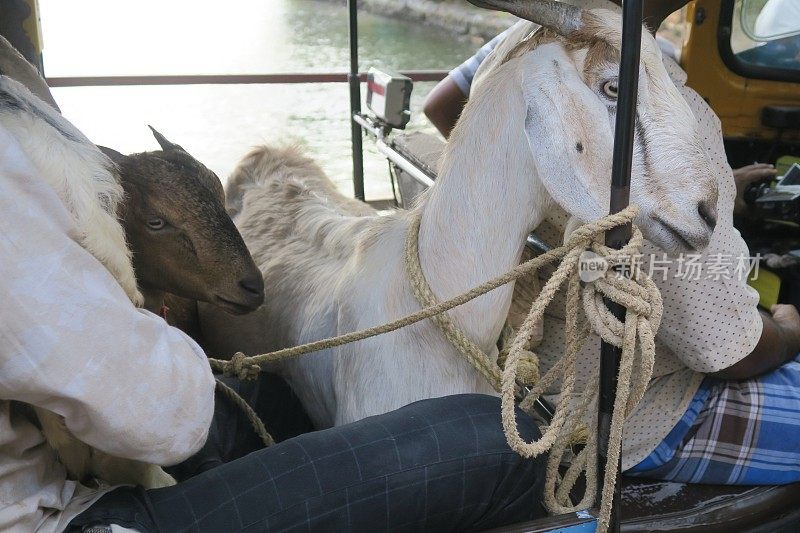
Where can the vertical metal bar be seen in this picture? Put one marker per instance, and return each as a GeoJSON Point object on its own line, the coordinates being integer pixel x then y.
{"type": "Point", "coordinates": [617, 237]}
{"type": "Point", "coordinates": [355, 101]}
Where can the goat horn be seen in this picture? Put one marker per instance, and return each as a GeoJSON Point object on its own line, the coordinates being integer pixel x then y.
{"type": "Point", "coordinates": [564, 19]}
{"type": "Point", "coordinates": [163, 142]}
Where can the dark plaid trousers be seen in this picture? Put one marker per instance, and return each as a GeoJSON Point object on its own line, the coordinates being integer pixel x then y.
{"type": "Point", "coordinates": [435, 465]}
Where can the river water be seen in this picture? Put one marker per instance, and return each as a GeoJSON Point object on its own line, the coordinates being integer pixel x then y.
{"type": "Point", "coordinates": [218, 124]}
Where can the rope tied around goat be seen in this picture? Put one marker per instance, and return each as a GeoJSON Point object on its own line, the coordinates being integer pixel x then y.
{"type": "Point", "coordinates": [637, 293]}
{"type": "Point", "coordinates": [252, 416]}
{"type": "Point", "coordinates": [642, 300]}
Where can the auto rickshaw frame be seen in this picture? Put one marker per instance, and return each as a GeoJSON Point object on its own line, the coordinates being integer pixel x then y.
{"type": "Point", "coordinates": [737, 92]}
{"type": "Point", "coordinates": [735, 98]}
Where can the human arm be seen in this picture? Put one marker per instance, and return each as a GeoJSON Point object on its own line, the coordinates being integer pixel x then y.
{"type": "Point", "coordinates": [72, 343]}
{"type": "Point", "coordinates": [779, 343]}
{"type": "Point", "coordinates": [444, 105]}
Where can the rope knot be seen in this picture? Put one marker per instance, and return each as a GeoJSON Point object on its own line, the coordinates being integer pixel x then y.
{"type": "Point", "coordinates": [635, 291]}
{"type": "Point", "coordinates": [528, 369]}
{"type": "Point", "coordinates": [527, 372]}
{"type": "Point", "coordinates": [240, 367]}
{"type": "Point", "coordinates": [633, 294]}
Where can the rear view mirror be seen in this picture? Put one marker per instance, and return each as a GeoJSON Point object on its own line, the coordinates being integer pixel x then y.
{"type": "Point", "coordinates": [769, 20]}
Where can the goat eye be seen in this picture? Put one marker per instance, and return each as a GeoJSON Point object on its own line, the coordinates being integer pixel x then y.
{"type": "Point", "coordinates": [610, 88]}
{"type": "Point", "coordinates": [156, 223]}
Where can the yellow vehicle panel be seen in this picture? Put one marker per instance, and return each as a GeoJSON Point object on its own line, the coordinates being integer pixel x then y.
{"type": "Point", "coordinates": [737, 100]}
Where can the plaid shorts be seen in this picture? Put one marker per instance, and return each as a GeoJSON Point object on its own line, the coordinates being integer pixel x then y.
{"type": "Point", "coordinates": [735, 433]}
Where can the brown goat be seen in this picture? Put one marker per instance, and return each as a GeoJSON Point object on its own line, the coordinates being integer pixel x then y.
{"type": "Point", "coordinates": [185, 246]}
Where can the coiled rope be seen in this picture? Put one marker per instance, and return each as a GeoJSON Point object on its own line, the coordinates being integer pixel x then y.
{"type": "Point", "coordinates": [637, 293]}
{"type": "Point", "coordinates": [642, 300]}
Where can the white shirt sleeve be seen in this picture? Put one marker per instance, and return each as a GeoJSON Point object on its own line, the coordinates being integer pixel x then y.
{"type": "Point", "coordinates": [71, 341]}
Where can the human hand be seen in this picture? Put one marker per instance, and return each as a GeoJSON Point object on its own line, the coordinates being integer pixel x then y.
{"type": "Point", "coordinates": [746, 176]}
{"type": "Point", "coordinates": [787, 317]}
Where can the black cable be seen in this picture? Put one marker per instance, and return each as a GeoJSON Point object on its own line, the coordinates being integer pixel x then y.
{"type": "Point", "coordinates": [393, 178]}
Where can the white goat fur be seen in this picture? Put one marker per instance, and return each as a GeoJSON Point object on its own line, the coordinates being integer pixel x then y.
{"type": "Point", "coordinates": [512, 158]}
{"type": "Point", "coordinates": [82, 176]}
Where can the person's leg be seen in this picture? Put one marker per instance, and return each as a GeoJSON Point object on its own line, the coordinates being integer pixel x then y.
{"type": "Point", "coordinates": [440, 464]}
{"type": "Point", "coordinates": [231, 435]}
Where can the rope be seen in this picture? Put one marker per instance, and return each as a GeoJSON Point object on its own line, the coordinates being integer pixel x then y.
{"type": "Point", "coordinates": [638, 294]}
{"type": "Point", "coordinates": [474, 355]}
{"type": "Point", "coordinates": [492, 371]}
{"type": "Point", "coordinates": [258, 425]}
{"type": "Point", "coordinates": [642, 300]}
{"type": "Point", "coordinates": [248, 367]}
{"type": "Point", "coordinates": [233, 396]}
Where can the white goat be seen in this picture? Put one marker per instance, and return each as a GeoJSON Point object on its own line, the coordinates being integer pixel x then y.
{"type": "Point", "coordinates": [536, 134]}
{"type": "Point", "coordinates": [82, 176]}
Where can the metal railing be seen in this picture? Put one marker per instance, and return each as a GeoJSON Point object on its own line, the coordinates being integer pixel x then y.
{"type": "Point", "coordinates": [229, 79]}
{"type": "Point", "coordinates": [352, 78]}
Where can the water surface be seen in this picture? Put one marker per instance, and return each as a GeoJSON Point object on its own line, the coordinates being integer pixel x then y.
{"type": "Point", "coordinates": [218, 124]}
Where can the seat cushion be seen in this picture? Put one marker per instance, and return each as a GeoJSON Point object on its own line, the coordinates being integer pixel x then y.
{"type": "Point", "coordinates": [781, 117]}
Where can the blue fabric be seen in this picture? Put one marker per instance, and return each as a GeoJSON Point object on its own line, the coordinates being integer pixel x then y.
{"type": "Point", "coordinates": [665, 451]}
{"type": "Point", "coordinates": [735, 433]}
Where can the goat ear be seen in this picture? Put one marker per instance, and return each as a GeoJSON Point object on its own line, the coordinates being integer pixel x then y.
{"type": "Point", "coordinates": [163, 142]}
{"type": "Point", "coordinates": [115, 156]}
{"type": "Point", "coordinates": [569, 133]}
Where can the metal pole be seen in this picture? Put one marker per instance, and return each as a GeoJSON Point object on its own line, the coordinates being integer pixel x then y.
{"type": "Point", "coordinates": [617, 237]}
{"type": "Point", "coordinates": [355, 101]}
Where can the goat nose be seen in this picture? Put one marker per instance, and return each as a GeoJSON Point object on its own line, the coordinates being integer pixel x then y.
{"type": "Point", "coordinates": [708, 212]}
{"type": "Point", "coordinates": [253, 285]}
